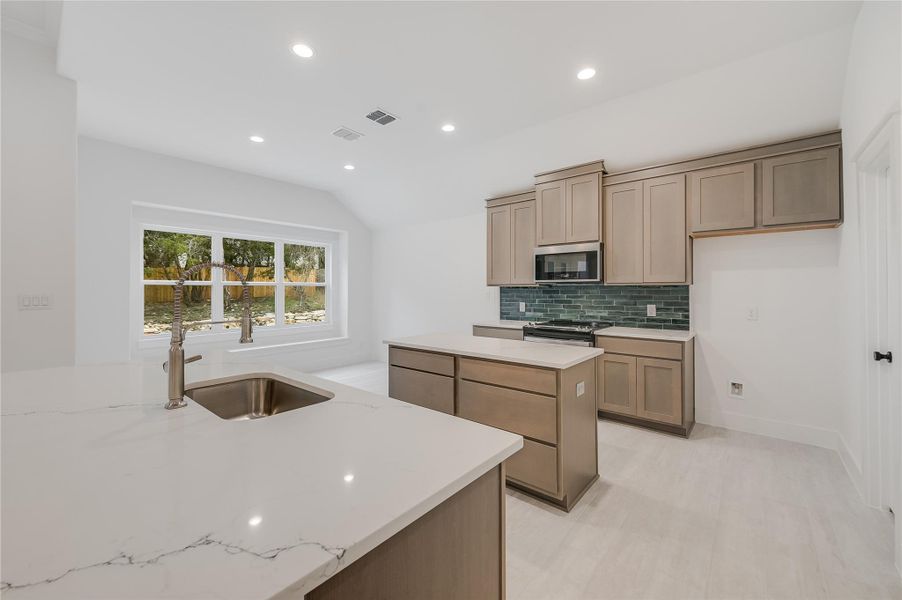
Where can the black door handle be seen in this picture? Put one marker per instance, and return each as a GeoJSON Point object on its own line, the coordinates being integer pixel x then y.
{"type": "Point", "coordinates": [887, 356]}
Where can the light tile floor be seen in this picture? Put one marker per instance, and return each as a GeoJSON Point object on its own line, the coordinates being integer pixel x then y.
{"type": "Point", "coordinates": [722, 515]}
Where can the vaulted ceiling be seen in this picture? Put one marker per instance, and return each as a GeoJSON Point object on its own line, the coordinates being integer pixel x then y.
{"type": "Point", "coordinates": [196, 79]}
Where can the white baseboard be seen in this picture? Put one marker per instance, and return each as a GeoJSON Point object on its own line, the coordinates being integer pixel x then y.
{"type": "Point", "coordinates": [853, 468]}
{"type": "Point", "coordinates": [793, 432]}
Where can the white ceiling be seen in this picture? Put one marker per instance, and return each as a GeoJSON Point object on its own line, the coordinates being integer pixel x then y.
{"type": "Point", "coordinates": [195, 79]}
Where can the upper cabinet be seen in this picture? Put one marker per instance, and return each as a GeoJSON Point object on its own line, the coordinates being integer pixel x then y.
{"type": "Point", "coordinates": [722, 197]}
{"type": "Point", "coordinates": [645, 232]}
{"type": "Point", "coordinates": [511, 230]}
{"type": "Point", "coordinates": [801, 188]}
{"type": "Point", "coordinates": [568, 205]}
{"type": "Point", "coordinates": [551, 214]}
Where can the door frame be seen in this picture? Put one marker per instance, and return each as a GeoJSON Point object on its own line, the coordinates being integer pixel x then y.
{"type": "Point", "coordinates": [877, 172]}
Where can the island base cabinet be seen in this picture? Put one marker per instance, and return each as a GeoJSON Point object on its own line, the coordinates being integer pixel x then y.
{"type": "Point", "coordinates": [454, 551]}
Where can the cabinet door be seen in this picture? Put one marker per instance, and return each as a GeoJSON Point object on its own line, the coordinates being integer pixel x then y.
{"type": "Point", "coordinates": [581, 208]}
{"type": "Point", "coordinates": [723, 198]}
{"type": "Point", "coordinates": [616, 383]}
{"type": "Point", "coordinates": [659, 396]}
{"type": "Point", "coordinates": [801, 187]}
{"type": "Point", "coordinates": [523, 242]}
{"type": "Point", "coordinates": [551, 214]}
{"type": "Point", "coordinates": [423, 389]}
{"type": "Point", "coordinates": [498, 265]}
{"type": "Point", "coordinates": [665, 232]}
{"type": "Point", "coordinates": [623, 227]}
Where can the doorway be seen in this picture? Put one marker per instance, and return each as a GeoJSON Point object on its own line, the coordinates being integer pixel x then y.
{"type": "Point", "coordinates": [880, 210]}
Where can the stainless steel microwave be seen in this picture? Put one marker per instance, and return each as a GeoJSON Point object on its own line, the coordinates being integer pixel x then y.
{"type": "Point", "coordinates": [570, 263]}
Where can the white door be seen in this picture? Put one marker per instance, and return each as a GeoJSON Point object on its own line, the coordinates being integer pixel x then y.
{"type": "Point", "coordinates": [881, 222]}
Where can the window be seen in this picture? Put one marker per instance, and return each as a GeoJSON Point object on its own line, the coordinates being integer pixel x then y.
{"type": "Point", "coordinates": [288, 281]}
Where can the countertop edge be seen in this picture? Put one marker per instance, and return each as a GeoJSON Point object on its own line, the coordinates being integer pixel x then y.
{"type": "Point", "coordinates": [594, 353]}
{"type": "Point", "coordinates": [669, 335]}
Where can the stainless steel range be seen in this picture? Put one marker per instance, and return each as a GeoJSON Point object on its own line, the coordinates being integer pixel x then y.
{"type": "Point", "coordinates": [563, 331]}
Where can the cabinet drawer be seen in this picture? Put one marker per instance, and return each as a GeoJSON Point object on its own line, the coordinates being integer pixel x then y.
{"type": "Point", "coordinates": [531, 379]}
{"type": "Point", "coordinates": [634, 347]}
{"type": "Point", "coordinates": [525, 413]}
{"type": "Point", "coordinates": [440, 364]}
{"type": "Point", "coordinates": [536, 466]}
{"type": "Point", "coordinates": [423, 389]}
{"type": "Point", "coordinates": [498, 332]}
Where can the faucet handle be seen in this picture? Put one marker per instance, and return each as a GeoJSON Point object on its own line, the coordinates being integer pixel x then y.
{"type": "Point", "coordinates": [194, 358]}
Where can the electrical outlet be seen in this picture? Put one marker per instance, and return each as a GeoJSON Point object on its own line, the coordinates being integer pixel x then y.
{"type": "Point", "coordinates": [522, 307]}
{"type": "Point", "coordinates": [35, 301]}
{"type": "Point", "coordinates": [580, 388]}
{"type": "Point", "coordinates": [737, 389]}
{"type": "Point", "coordinates": [751, 313]}
{"type": "Point", "coordinates": [651, 310]}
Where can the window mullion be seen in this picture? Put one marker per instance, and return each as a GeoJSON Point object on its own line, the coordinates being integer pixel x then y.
{"type": "Point", "coordinates": [217, 307]}
{"type": "Point", "coordinates": [280, 284]}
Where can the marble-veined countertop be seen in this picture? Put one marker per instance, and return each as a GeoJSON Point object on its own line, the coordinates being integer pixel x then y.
{"type": "Point", "coordinates": [105, 494]}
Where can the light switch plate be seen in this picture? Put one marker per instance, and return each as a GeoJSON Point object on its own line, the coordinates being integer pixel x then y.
{"type": "Point", "coordinates": [651, 310]}
{"type": "Point", "coordinates": [35, 301]}
{"type": "Point", "coordinates": [522, 307]}
{"type": "Point", "coordinates": [580, 388]}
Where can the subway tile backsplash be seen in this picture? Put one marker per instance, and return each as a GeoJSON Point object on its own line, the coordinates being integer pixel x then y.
{"type": "Point", "coordinates": [622, 305]}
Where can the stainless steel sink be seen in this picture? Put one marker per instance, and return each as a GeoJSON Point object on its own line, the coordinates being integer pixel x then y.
{"type": "Point", "coordinates": [254, 397]}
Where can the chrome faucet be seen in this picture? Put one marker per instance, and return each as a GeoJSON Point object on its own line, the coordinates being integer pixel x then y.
{"type": "Point", "coordinates": [175, 366]}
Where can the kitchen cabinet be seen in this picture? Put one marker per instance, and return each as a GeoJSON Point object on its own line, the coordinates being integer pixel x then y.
{"type": "Point", "coordinates": [511, 230]}
{"type": "Point", "coordinates": [567, 210]}
{"type": "Point", "coordinates": [554, 409]}
{"type": "Point", "coordinates": [647, 382]}
{"type": "Point", "coordinates": [722, 198]}
{"type": "Point", "coordinates": [551, 214]}
{"type": "Point", "coordinates": [665, 237]}
{"type": "Point", "coordinates": [646, 241]}
{"type": "Point", "coordinates": [503, 333]}
{"type": "Point", "coordinates": [617, 383]}
{"type": "Point", "coordinates": [803, 187]}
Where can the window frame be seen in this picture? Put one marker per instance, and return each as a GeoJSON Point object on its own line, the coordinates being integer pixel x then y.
{"type": "Point", "coordinates": [218, 285]}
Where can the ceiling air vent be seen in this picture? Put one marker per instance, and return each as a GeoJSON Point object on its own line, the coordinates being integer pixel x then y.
{"type": "Point", "coordinates": [382, 117]}
{"type": "Point", "coordinates": [348, 134]}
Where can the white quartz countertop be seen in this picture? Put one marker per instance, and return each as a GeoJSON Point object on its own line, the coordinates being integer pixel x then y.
{"type": "Point", "coordinates": [554, 356]}
{"type": "Point", "coordinates": [667, 335]}
{"type": "Point", "coordinates": [107, 495]}
{"type": "Point", "coordinates": [502, 324]}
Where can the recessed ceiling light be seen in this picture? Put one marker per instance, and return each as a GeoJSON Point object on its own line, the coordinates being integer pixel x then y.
{"type": "Point", "coordinates": [255, 520]}
{"type": "Point", "coordinates": [447, 127]}
{"type": "Point", "coordinates": [587, 73]}
{"type": "Point", "coordinates": [302, 50]}
{"type": "Point", "coordinates": [350, 167]}
{"type": "Point", "coordinates": [256, 139]}
{"type": "Point", "coordinates": [349, 477]}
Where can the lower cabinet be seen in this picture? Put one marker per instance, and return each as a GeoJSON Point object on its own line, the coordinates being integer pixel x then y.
{"type": "Point", "coordinates": [498, 332]}
{"type": "Point", "coordinates": [554, 410]}
{"type": "Point", "coordinates": [654, 385]}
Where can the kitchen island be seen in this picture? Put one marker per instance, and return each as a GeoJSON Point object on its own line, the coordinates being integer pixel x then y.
{"type": "Point", "coordinates": [544, 392]}
{"type": "Point", "coordinates": [107, 495]}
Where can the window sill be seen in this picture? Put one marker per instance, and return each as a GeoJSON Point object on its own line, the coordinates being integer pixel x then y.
{"type": "Point", "coordinates": [263, 338]}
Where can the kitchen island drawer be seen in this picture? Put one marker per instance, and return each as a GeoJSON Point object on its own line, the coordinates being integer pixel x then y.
{"type": "Point", "coordinates": [535, 466]}
{"type": "Point", "coordinates": [423, 389]}
{"type": "Point", "coordinates": [440, 364]}
{"type": "Point", "coordinates": [528, 414]}
{"type": "Point", "coordinates": [531, 379]}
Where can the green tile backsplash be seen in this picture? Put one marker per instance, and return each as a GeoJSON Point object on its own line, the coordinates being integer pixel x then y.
{"type": "Point", "coordinates": [622, 305]}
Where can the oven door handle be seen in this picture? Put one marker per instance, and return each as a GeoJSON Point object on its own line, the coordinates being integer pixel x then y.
{"type": "Point", "coordinates": [545, 340]}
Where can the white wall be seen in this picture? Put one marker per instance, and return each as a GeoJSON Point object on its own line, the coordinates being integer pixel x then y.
{"type": "Point", "coordinates": [787, 359]}
{"type": "Point", "coordinates": [38, 207]}
{"type": "Point", "coordinates": [872, 93]}
{"type": "Point", "coordinates": [112, 178]}
{"type": "Point", "coordinates": [431, 277]}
